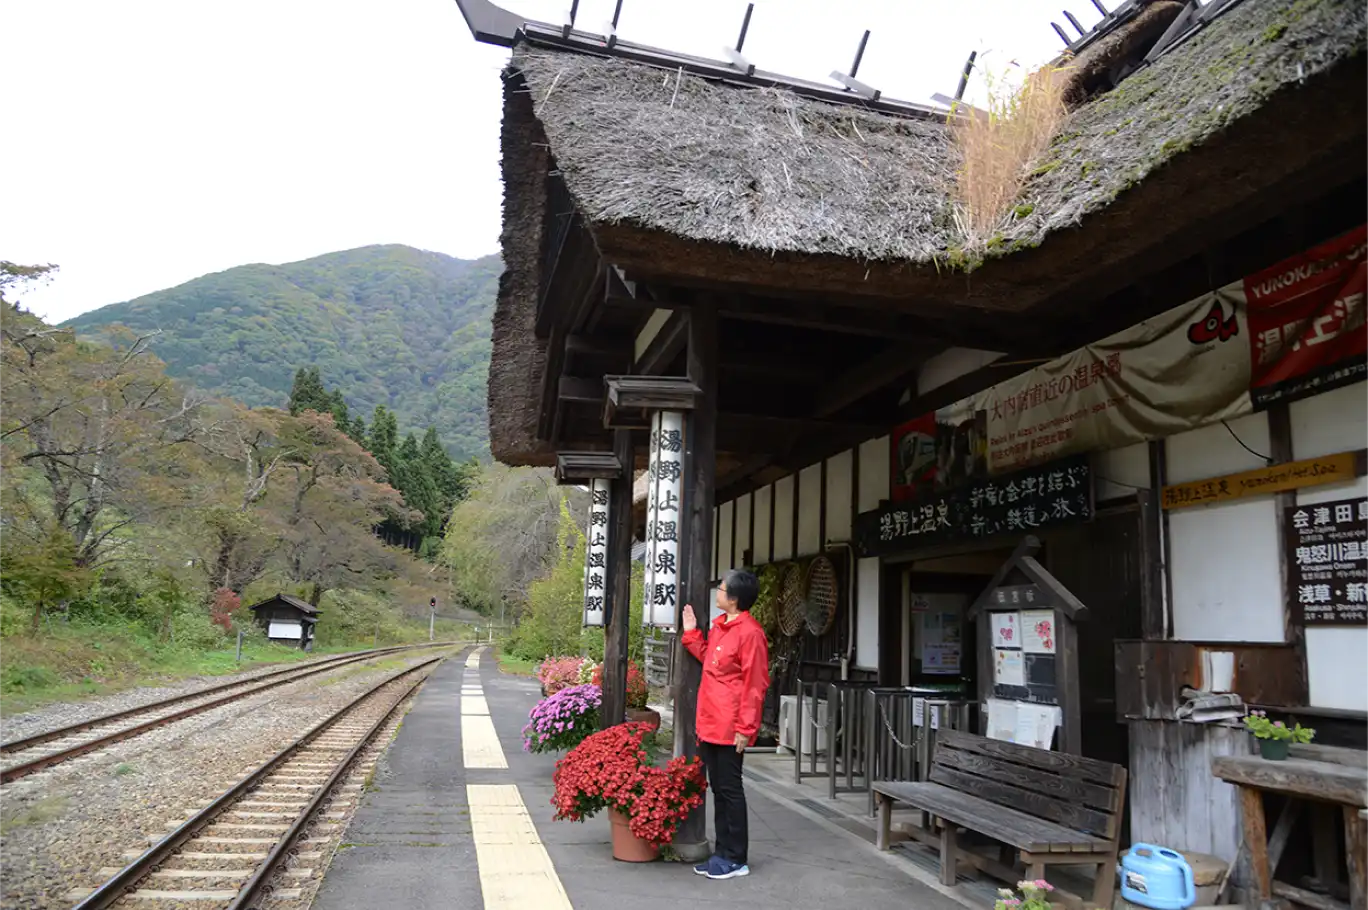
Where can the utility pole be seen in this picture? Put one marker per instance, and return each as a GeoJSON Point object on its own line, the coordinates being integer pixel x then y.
{"type": "Point", "coordinates": [432, 618]}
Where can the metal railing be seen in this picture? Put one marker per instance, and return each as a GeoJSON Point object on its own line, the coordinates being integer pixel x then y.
{"type": "Point", "coordinates": [842, 754]}
{"type": "Point", "coordinates": [901, 725]}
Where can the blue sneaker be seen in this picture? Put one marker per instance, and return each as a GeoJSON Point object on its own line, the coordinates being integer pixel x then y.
{"type": "Point", "coordinates": [705, 868]}
{"type": "Point", "coordinates": [725, 868]}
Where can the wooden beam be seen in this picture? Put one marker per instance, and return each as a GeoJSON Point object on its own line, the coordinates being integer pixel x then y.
{"type": "Point", "coordinates": [581, 388]}
{"type": "Point", "coordinates": [665, 346]}
{"type": "Point", "coordinates": [894, 365]}
{"type": "Point", "coordinates": [598, 345]}
{"type": "Point", "coordinates": [691, 838]}
{"type": "Point", "coordinates": [630, 398]}
{"type": "Point", "coordinates": [617, 617]}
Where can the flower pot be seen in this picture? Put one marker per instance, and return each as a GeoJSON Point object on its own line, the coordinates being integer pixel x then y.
{"type": "Point", "coordinates": [627, 847]}
{"type": "Point", "coordinates": [644, 716]}
{"type": "Point", "coordinates": [1274, 749]}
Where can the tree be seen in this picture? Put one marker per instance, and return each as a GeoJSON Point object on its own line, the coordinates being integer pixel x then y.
{"type": "Point", "coordinates": [502, 537]}
{"type": "Point", "coordinates": [91, 434]}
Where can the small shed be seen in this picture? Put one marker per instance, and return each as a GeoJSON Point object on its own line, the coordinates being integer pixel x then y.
{"type": "Point", "coordinates": [287, 620]}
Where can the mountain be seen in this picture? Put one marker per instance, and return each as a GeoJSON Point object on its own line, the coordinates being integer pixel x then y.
{"type": "Point", "coordinates": [387, 325]}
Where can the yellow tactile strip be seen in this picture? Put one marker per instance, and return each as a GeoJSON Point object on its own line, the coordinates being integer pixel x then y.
{"type": "Point", "coordinates": [479, 743]}
{"type": "Point", "coordinates": [515, 869]}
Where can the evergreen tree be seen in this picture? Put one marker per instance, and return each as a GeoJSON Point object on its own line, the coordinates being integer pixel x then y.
{"type": "Point", "coordinates": [383, 440]}
{"type": "Point", "coordinates": [308, 393]}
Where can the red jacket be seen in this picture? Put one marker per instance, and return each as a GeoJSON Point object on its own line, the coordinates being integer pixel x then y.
{"type": "Point", "coordinates": [735, 676]}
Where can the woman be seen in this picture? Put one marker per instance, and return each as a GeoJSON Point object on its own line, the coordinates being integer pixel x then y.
{"type": "Point", "coordinates": [735, 661]}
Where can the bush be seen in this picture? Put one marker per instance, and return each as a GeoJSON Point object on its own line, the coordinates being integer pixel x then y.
{"type": "Point", "coordinates": [193, 629]}
{"type": "Point", "coordinates": [13, 617]}
{"type": "Point", "coordinates": [556, 673]}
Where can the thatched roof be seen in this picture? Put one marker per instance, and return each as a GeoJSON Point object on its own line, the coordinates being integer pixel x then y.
{"type": "Point", "coordinates": [716, 181]}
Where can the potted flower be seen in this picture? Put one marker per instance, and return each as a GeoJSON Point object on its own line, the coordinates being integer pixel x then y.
{"type": "Point", "coordinates": [562, 721]}
{"type": "Point", "coordinates": [1274, 736]}
{"type": "Point", "coordinates": [1033, 896]}
{"type": "Point", "coordinates": [556, 673]}
{"type": "Point", "coordinates": [637, 694]}
{"type": "Point", "coordinates": [612, 770]}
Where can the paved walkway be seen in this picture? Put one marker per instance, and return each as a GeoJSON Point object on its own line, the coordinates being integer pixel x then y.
{"type": "Point", "coordinates": [461, 817]}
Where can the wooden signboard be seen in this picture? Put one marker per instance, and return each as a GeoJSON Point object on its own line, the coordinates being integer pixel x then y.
{"type": "Point", "coordinates": [1052, 494]}
{"type": "Point", "coordinates": [1278, 478]}
{"type": "Point", "coordinates": [1028, 655]}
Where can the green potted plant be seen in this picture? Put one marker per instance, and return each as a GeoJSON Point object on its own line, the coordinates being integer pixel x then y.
{"type": "Point", "coordinates": [1274, 736]}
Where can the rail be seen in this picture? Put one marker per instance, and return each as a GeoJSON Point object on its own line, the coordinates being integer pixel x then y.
{"type": "Point", "coordinates": [151, 860]}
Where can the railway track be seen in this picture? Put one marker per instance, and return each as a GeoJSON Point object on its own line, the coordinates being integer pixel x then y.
{"type": "Point", "coordinates": [254, 841]}
{"type": "Point", "coordinates": [22, 757]}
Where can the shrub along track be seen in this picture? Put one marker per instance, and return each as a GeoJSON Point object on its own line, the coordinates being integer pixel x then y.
{"type": "Point", "coordinates": [245, 846]}
{"type": "Point", "coordinates": [65, 743]}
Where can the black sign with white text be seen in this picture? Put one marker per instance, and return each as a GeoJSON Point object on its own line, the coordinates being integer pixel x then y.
{"type": "Point", "coordinates": [1057, 493]}
{"type": "Point", "coordinates": [1327, 562]}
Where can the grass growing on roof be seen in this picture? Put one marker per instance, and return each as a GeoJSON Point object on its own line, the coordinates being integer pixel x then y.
{"type": "Point", "coordinates": [999, 147]}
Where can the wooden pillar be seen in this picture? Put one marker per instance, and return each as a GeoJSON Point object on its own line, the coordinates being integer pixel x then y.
{"type": "Point", "coordinates": [691, 840]}
{"type": "Point", "coordinates": [617, 614]}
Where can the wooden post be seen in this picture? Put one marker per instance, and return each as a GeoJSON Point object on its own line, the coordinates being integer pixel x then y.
{"type": "Point", "coordinates": [691, 840]}
{"type": "Point", "coordinates": [617, 612]}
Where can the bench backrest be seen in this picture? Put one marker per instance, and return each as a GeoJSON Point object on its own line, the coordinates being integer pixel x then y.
{"type": "Point", "coordinates": [1079, 793]}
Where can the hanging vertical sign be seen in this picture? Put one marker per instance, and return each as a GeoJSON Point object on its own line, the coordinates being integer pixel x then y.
{"type": "Point", "coordinates": [664, 518]}
{"type": "Point", "coordinates": [596, 552]}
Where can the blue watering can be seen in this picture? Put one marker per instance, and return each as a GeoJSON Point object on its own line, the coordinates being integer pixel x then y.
{"type": "Point", "coordinates": [1156, 877]}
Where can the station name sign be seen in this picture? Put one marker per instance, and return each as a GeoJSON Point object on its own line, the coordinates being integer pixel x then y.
{"type": "Point", "coordinates": [1023, 502]}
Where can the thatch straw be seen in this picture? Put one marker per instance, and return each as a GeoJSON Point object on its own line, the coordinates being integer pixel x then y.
{"type": "Point", "coordinates": [760, 169]}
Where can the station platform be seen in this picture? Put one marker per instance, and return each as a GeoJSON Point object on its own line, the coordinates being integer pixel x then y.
{"type": "Point", "coordinates": [458, 816]}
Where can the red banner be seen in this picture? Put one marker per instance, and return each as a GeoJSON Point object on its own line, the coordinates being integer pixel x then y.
{"type": "Point", "coordinates": [1306, 321]}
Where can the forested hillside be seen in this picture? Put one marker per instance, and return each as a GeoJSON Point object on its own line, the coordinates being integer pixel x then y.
{"type": "Point", "coordinates": [388, 325]}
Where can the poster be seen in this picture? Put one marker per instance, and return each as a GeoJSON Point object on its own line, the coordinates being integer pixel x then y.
{"type": "Point", "coordinates": [1327, 562]}
{"type": "Point", "coordinates": [1038, 631]}
{"type": "Point", "coordinates": [1006, 629]}
{"type": "Point", "coordinates": [1306, 322]}
{"type": "Point", "coordinates": [940, 659]}
{"type": "Point", "coordinates": [1008, 668]}
{"type": "Point", "coordinates": [1022, 723]}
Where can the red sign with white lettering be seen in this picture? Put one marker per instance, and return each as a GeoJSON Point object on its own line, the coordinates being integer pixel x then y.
{"type": "Point", "coordinates": [1306, 321]}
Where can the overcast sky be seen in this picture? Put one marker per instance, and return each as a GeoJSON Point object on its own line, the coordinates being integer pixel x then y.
{"type": "Point", "coordinates": [151, 141]}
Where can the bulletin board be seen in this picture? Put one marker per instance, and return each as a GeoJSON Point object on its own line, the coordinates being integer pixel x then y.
{"type": "Point", "coordinates": [1028, 656]}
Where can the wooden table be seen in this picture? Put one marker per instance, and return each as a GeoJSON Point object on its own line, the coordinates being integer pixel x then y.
{"type": "Point", "coordinates": [1325, 775]}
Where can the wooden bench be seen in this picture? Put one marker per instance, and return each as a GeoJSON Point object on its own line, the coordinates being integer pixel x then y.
{"type": "Point", "coordinates": [1056, 809]}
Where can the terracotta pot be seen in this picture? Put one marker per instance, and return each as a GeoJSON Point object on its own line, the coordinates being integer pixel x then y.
{"type": "Point", "coordinates": [1274, 749]}
{"type": "Point", "coordinates": [627, 847]}
{"type": "Point", "coordinates": [644, 716]}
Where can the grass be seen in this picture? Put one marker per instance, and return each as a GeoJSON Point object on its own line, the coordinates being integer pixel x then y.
{"type": "Point", "coordinates": [44, 810]}
{"type": "Point", "coordinates": [515, 666]}
{"type": "Point", "coordinates": [77, 660]}
{"type": "Point", "coordinates": [999, 147]}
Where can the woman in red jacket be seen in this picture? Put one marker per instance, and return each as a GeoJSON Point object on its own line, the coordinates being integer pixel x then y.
{"type": "Point", "coordinates": [735, 661]}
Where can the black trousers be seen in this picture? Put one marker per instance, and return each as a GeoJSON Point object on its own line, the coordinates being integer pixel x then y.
{"type": "Point", "coordinates": [723, 764]}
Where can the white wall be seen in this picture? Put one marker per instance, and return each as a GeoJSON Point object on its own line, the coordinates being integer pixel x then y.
{"type": "Point", "coordinates": [783, 518]}
{"type": "Point", "coordinates": [950, 365]}
{"type": "Point", "coordinates": [724, 539]}
{"type": "Point", "coordinates": [873, 486]}
{"type": "Point", "coordinates": [810, 510]}
{"type": "Point", "coordinates": [761, 534]}
{"type": "Point", "coordinates": [742, 542]}
{"type": "Point", "coordinates": [838, 496]}
{"type": "Point", "coordinates": [873, 473]}
{"type": "Point", "coordinates": [1225, 558]}
{"type": "Point", "coordinates": [1335, 656]}
{"type": "Point", "coordinates": [867, 615]}
{"type": "Point", "coordinates": [1120, 472]}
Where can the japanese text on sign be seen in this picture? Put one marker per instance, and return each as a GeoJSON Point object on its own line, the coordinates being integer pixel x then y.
{"type": "Point", "coordinates": [1327, 557]}
{"type": "Point", "coordinates": [1052, 494]}
{"type": "Point", "coordinates": [596, 553]}
{"type": "Point", "coordinates": [664, 519]}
